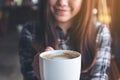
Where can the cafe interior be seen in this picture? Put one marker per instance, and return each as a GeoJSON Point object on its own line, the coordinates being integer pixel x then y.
{"type": "Point", "coordinates": [15, 13]}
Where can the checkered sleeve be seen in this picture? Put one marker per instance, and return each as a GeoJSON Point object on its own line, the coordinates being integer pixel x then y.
{"type": "Point", "coordinates": [99, 71]}
{"type": "Point", "coordinates": [26, 52]}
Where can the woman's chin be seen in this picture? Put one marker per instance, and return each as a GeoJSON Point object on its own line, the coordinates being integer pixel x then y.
{"type": "Point", "coordinates": [62, 19]}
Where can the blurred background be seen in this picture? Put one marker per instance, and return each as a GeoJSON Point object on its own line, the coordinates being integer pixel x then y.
{"type": "Point", "coordinates": [15, 13]}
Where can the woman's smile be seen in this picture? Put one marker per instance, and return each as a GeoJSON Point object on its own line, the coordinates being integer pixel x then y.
{"type": "Point", "coordinates": [64, 10]}
{"type": "Point", "coordinates": [61, 11]}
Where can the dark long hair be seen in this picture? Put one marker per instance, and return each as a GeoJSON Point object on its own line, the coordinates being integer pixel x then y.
{"type": "Point", "coordinates": [82, 31]}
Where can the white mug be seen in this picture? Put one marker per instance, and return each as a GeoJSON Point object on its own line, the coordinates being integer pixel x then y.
{"type": "Point", "coordinates": [60, 65]}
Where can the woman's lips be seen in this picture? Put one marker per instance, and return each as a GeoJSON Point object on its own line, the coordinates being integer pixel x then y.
{"type": "Point", "coordinates": [61, 11]}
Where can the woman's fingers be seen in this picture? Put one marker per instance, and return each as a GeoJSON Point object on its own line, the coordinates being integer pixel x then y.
{"type": "Point", "coordinates": [49, 48]}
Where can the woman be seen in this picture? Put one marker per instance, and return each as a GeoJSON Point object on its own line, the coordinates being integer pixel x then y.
{"type": "Point", "coordinates": [66, 24]}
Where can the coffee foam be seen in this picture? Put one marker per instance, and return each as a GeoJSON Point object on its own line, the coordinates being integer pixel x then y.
{"type": "Point", "coordinates": [60, 56]}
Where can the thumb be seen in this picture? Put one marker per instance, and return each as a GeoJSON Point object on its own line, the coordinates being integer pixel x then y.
{"type": "Point", "coordinates": [48, 48]}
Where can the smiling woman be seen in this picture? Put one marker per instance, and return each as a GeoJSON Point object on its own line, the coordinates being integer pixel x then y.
{"type": "Point", "coordinates": [66, 25]}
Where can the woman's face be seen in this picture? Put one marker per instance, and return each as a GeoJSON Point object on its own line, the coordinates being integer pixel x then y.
{"type": "Point", "coordinates": [64, 10]}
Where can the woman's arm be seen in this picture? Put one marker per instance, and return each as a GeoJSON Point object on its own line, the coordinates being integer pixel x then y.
{"type": "Point", "coordinates": [26, 53]}
{"type": "Point", "coordinates": [99, 71]}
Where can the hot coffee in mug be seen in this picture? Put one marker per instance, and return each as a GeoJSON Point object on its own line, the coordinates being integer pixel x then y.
{"type": "Point", "coordinates": [60, 65]}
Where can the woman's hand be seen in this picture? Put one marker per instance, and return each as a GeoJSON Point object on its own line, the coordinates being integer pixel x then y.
{"type": "Point", "coordinates": [35, 63]}
{"type": "Point", "coordinates": [49, 48]}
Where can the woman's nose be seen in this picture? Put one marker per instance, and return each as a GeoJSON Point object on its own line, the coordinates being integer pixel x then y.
{"type": "Point", "coordinates": [62, 2]}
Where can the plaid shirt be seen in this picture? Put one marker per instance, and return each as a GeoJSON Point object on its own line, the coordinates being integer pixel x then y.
{"type": "Point", "coordinates": [26, 52]}
{"type": "Point", "coordinates": [99, 71]}
{"type": "Point", "coordinates": [104, 54]}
